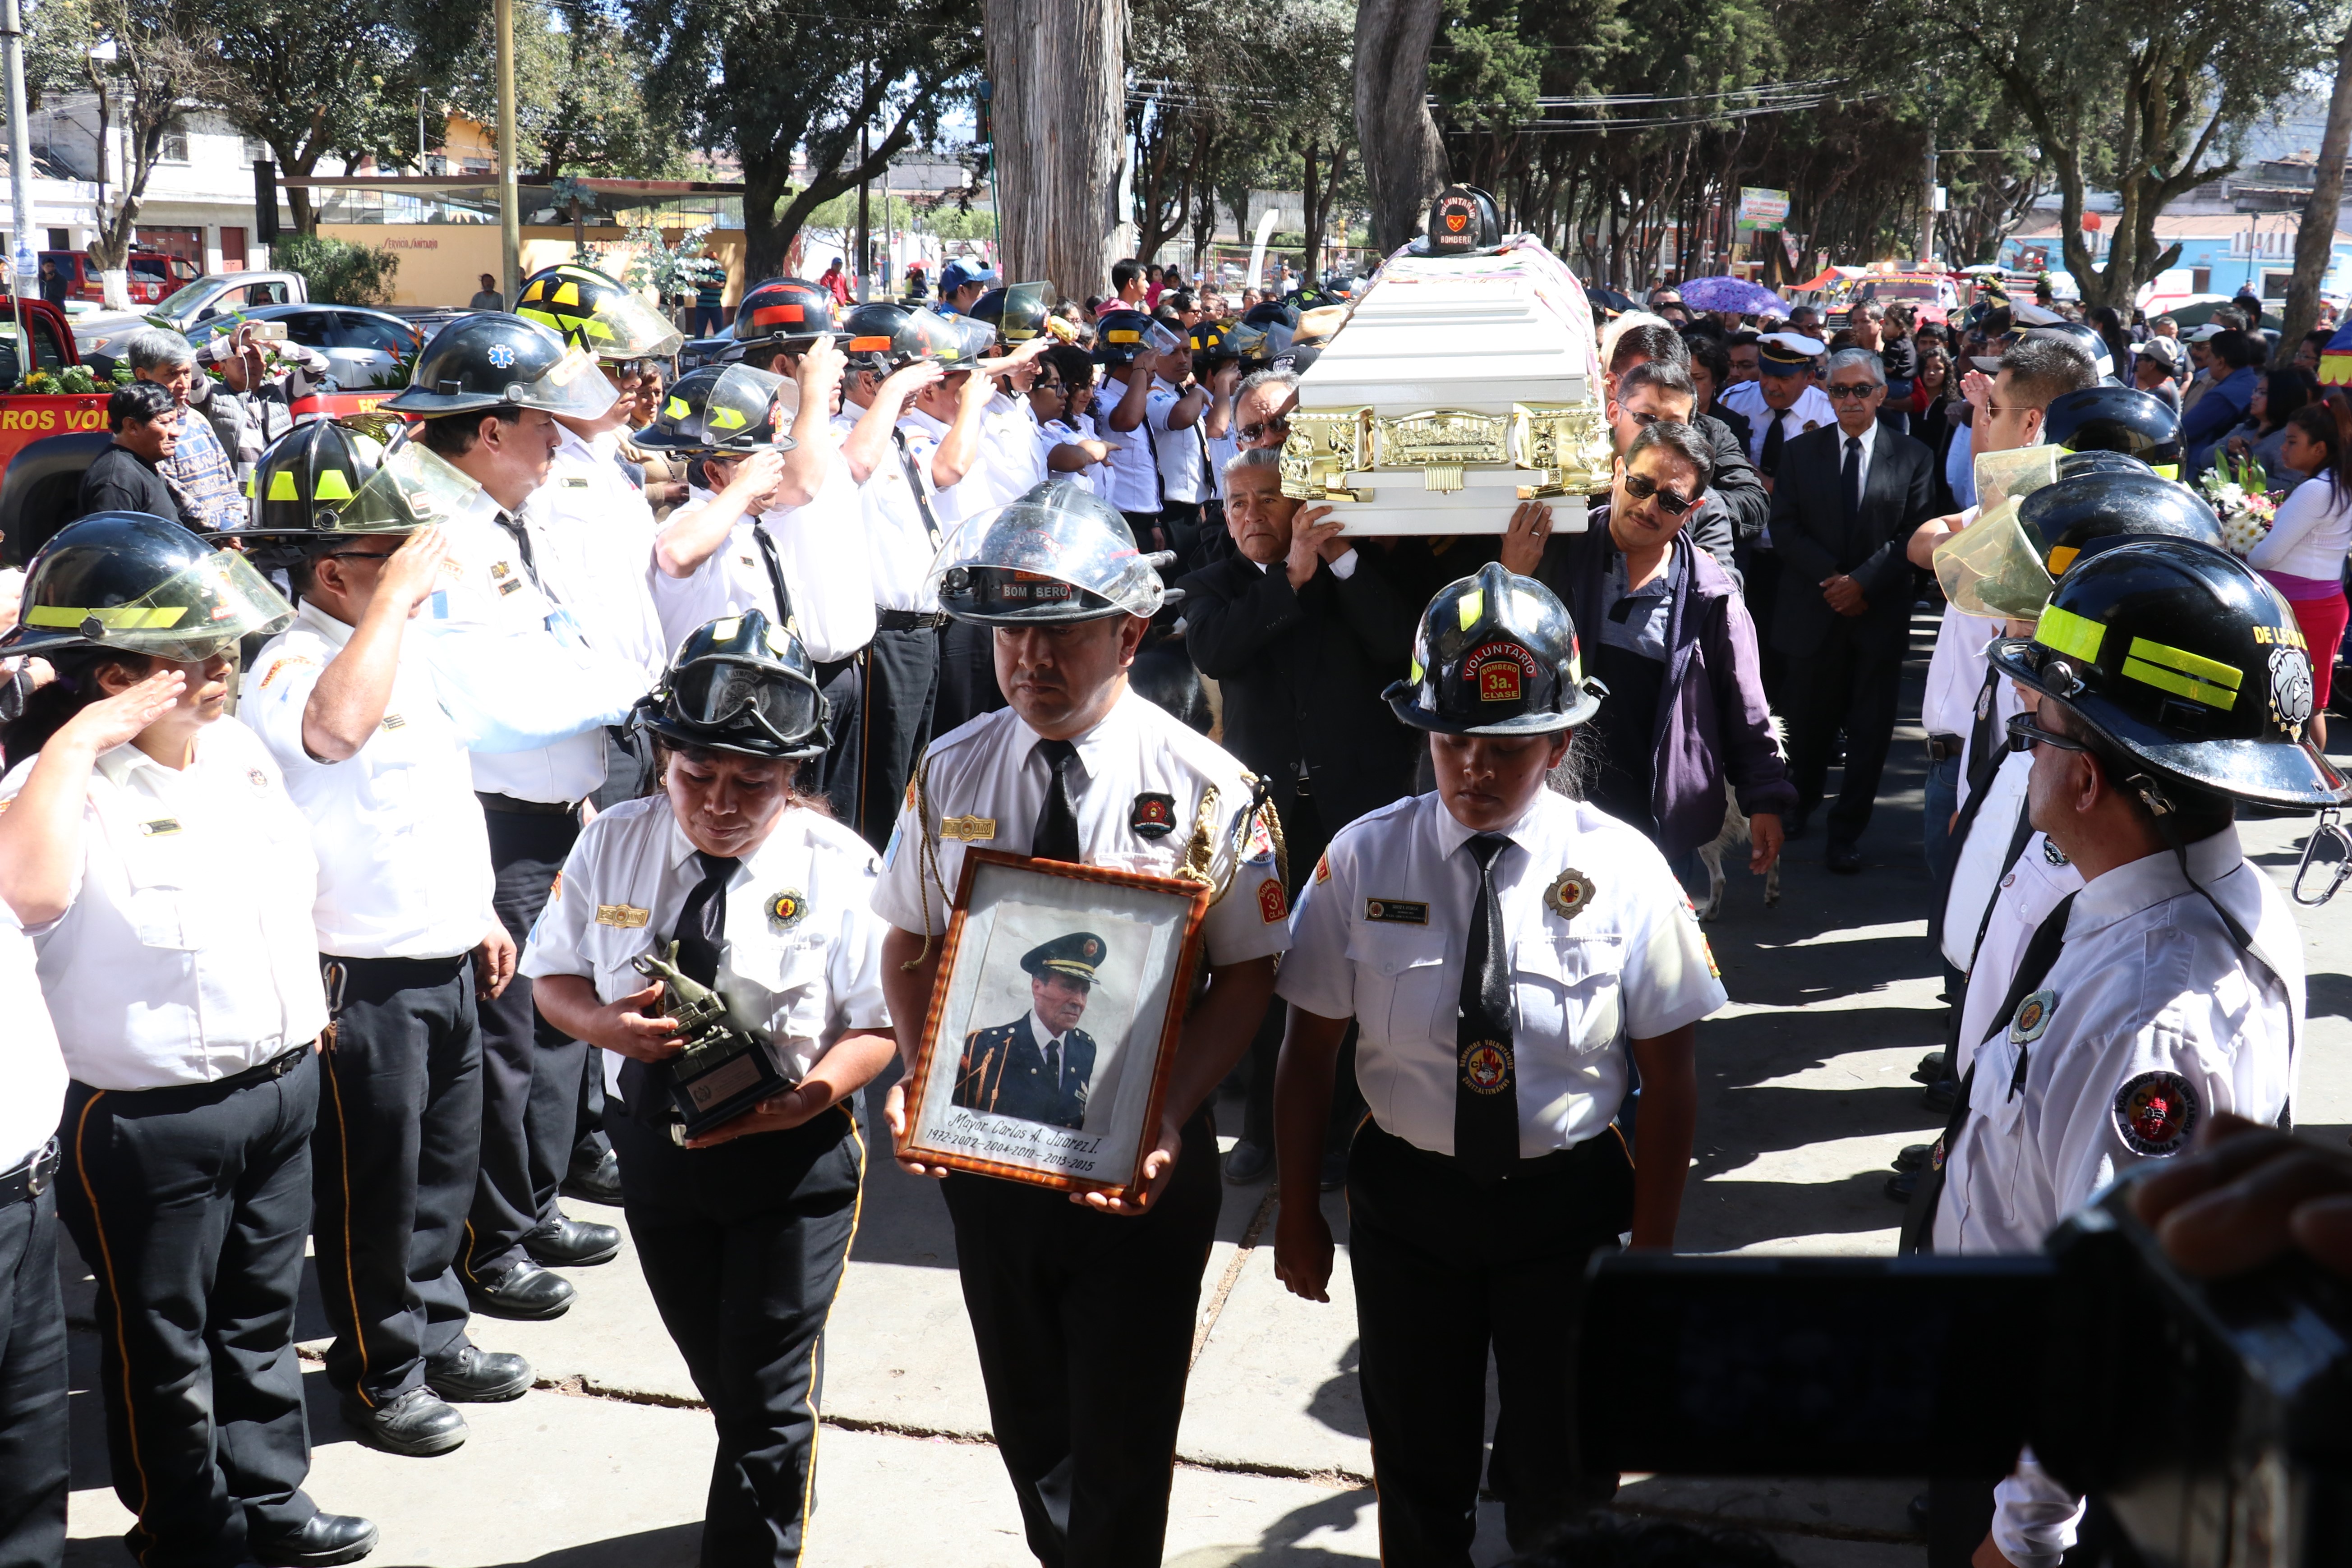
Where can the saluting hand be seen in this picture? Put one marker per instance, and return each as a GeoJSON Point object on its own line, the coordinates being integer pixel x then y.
{"type": "Point", "coordinates": [412, 572]}
{"type": "Point", "coordinates": [626, 1027]}
{"type": "Point", "coordinates": [102, 726]}
{"type": "Point", "coordinates": [820, 371]}
{"type": "Point", "coordinates": [909, 379]}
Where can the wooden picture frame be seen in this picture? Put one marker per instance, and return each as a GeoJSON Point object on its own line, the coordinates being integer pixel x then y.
{"type": "Point", "coordinates": [1021, 934]}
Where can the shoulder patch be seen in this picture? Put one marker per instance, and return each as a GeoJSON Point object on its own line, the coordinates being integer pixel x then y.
{"type": "Point", "coordinates": [1323, 868]}
{"type": "Point", "coordinates": [2155, 1112]}
{"type": "Point", "coordinates": [1272, 906]}
{"type": "Point", "coordinates": [1154, 815]}
{"type": "Point", "coordinates": [278, 667]}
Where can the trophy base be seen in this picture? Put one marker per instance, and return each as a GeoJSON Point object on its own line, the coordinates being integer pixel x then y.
{"type": "Point", "coordinates": [723, 1090]}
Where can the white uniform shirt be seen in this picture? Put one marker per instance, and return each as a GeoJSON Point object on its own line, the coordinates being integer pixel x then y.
{"type": "Point", "coordinates": [403, 859]}
{"type": "Point", "coordinates": [1008, 428]}
{"type": "Point", "coordinates": [1223, 449]}
{"type": "Point", "coordinates": [2150, 1022]}
{"type": "Point", "coordinates": [822, 549]}
{"type": "Point", "coordinates": [1955, 670]}
{"type": "Point", "coordinates": [2029, 891]}
{"type": "Point", "coordinates": [1134, 473]}
{"type": "Point", "coordinates": [592, 536]}
{"type": "Point", "coordinates": [1055, 433]}
{"type": "Point", "coordinates": [1180, 450]}
{"type": "Point", "coordinates": [990, 769]}
{"type": "Point", "coordinates": [1629, 964]}
{"type": "Point", "coordinates": [899, 545]}
{"type": "Point", "coordinates": [1977, 868]}
{"type": "Point", "coordinates": [187, 953]}
{"type": "Point", "coordinates": [1812, 408]}
{"type": "Point", "coordinates": [969, 495]}
{"type": "Point", "coordinates": [37, 1070]}
{"type": "Point", "coordinates": [809, 974]}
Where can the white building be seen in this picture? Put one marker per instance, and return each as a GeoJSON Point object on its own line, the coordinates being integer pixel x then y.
{"type": "Point", "coordinates": [199, 199]}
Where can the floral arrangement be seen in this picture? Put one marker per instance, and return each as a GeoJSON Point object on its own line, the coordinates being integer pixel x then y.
{"type": "Point", "coordinates": [2235, 489]}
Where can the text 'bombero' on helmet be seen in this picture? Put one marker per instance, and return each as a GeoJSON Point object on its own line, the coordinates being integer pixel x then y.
{"type": "Point", "coordinates": [596, 314]}
{"type": "Point", "coordinates": [144, 584]}
{"type": "Point", "coordinates": [488, 361]}
{"type": "Point", "coordinates": [2006, 562]}
{"type": "Point", "coordinates": [1463, 221]}
{"type": "Point", "coordinates": [1496, 655]}
{"type": "Point", "coordinates": [723, 410]}
{"type": "Point", "coordinates": [1056, 553]}
{"type": "Point", "coordinates": [2110, 418]}
{"type": "Point", "coordinates": [2181, 660]}
{"type": "Point", "coordinates": [739, 684]}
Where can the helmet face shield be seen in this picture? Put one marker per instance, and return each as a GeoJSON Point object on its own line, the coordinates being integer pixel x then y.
{"type": "Point", "coordinates": [415, 488]}
{"type": "Point", "coordinates": [2005, 476]}
{"type": "Point", "coordinates": [1991, 568]}
{"type": "Point", "coordinates": [572, 387]}
{"type": "Point", "coordinates": [1025, 309]}
{"type": "Point", "coordinates": [187, 618]}
{"type": "Point", "coordinates": [1056, 553]}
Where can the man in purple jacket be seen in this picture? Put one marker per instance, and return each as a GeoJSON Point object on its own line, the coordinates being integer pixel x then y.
{"type": "Point", "coordinates": [1664, 627]}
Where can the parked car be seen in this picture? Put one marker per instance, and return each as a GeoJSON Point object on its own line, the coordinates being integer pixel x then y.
{"type": "Point", "coordinates": [361, 345]}
{"type": "Point", "coordinates": [1933, 292]}
{"type": "Point", "coordinates": [217, 292]}
{"type": "Point", "coordinates": [153, 275]}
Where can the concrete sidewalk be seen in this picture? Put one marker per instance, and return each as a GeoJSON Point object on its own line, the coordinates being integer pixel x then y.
{"type": "Point", "coordinates": [1806, 1095]}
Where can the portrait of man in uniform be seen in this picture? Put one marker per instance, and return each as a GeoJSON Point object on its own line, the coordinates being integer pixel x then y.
{"type": "Point", "coordinates": [1040, 1067]}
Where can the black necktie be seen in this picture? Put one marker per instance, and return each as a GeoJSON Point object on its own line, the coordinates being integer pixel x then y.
{"type": "Point", "coordinates": [1986, 747]}
{"type": "Point", "coordinates": [1850, 480]}
{"type": "Point", "coordinates": [1485, 1089]}
{"type": "Point", "coordinates": [1771, 458]}
{"type": "Point", "coordinates": [915, 483]}
{"type": "Point", "coordinates": [702, 938]}
{"type": "Point", "coordinates": [513, 525]}
{"type": "Point", "coordinates": [1053, 1063]}
{"type": "Point", "coordinates": [1055, 837]}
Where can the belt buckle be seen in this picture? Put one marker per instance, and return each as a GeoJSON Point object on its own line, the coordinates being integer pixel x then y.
{"type": "Point", "coordinates": [37, 1174]}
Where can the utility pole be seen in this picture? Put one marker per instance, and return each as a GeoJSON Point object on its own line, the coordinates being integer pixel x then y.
{"type": "Point", "coordinates": [510, 199]}
{"type": "Point", "coordinates": [20, 157]}
{"type": "Point", "coordinates": [864, 233]}
{"type": "Point", "coordinates": [1928, 203]}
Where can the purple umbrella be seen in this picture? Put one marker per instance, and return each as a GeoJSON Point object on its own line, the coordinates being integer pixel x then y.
{"type": "Point", "coordinates": [1732, 294]}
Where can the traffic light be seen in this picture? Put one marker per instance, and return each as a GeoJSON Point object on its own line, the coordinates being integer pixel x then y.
{"type": "Point", "coordinates": [264, 201]}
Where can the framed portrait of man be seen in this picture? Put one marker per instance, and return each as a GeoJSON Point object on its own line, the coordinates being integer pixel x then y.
{"type": "Point", "coordinates": [1054, 1021]}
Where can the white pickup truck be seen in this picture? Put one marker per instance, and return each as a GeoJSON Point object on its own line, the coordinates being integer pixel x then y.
{"type": "Point", "coordinates": [98, 334]}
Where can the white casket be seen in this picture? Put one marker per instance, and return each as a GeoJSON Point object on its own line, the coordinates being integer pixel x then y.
{"type": "Point", "coordinates": [1459, 387]}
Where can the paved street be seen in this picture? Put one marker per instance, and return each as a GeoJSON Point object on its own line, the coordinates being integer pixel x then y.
{"type": "Point", "coordinates": [1807, 1094]}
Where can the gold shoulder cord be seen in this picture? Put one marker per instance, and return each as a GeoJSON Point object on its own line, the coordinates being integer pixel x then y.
{"type": "Point", "coordinates": [1200, 855]}
{"type": "Point", "coordinates": [927, 863]}
{"type": "Point", "coordinates": [1201, 851]}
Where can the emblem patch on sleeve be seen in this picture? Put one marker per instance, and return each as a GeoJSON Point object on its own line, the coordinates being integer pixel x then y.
{"type": "Point", "coordinates": [2033, 1016]}
{"type": "Point", "coordinates": [1271, 904]}
{"type": "Point", "coordinates": [2155, 1112]}
{"type": "Point", "coordinates": [1323, 868]}
{"type": "Point", "coordinates": [1569, 894]}
{"type": "Point", "coordinates": [786, 910]}
{"type": "Point", "coordinates": [1154, 815]}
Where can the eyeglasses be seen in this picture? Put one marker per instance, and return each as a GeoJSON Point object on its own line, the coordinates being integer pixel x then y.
{"type": "Point", "coordinates": [1271, 428]}
{"type": "Point", "coordinates": [2025, 734]}
{"type": "Point", "coordinates": [1641, 487]}
{"type": "Point", "coordinates": [1854, 390]}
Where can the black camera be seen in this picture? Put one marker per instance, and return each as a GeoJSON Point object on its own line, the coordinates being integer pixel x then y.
{"type": "Point", "coordinates": [2212, 1418]}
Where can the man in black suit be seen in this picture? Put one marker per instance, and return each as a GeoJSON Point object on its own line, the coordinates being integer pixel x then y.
{"type": "Point", "coordinates": [1301, 631]}
{"type": "Point", "coordinates": [1845, 500]}
{"type": "Point", "coordinates": [1039, 1067]}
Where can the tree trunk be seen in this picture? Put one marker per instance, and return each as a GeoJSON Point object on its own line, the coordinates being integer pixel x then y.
{"type": "Point", "coordinates": [1058, 73]}
{"type": "Point", "coordinates": [2316, 240]}
{"type": "Point", "coordinates": [1404, 156]}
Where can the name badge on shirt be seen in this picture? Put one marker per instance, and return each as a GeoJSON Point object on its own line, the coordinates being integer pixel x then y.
{"type": "Point", "coordinates": [159, 827]}
{"type": "Point", "coordinates": [511, 586]}
{"type": "Point", "coordinates": [967, 830]}
{"type": "Point", "coordinates": [628, 917]}
{"type": "Point", "coordinates": [575, 484]}
{"type": "Point", "coordinates": [1396, 911]}
{"type": "Point", "coordinates": [394, 721]}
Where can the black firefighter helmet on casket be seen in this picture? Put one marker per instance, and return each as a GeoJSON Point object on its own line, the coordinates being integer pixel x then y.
{"type": "Point", "coordinates": [1463, 221]}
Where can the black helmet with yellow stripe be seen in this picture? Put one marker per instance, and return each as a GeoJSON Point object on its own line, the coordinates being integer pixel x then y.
{"type": "Point", "coordinates": [2181, 660]}
{"type": "Point", "coordinates": [306, 477]}
{"type": "Point", "coordinates": [2110, 418]}
{"type": "Point", "coordinates": [2005, 562]}
{"type": "Point", "coordinates": [596, 314]}
{"type": "Point", "coordinates": [729, 410]}
{"type": "Point", "coordinates": [144, 584]}
{"type": "Point", "coordinates": [1496, 655]}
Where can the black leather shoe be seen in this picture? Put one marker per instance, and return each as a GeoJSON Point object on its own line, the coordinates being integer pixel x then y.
{"type": "Point", "coordinates": [1914, 1157]}
{"type": "Point", "coordinates": [1900, 1187]}
{"type": "Point", "coordinates": [1248, 1163]}
{"type": "Point", "coordinates": [525, 1293]}
{"type": "Point", "coordinates": [417, 1424]}
{"type": "Point", "coordinates": [597, 1184]}
{"type": "Point", "coordinates": [1843, 859]}
{"type": "Point", "coordinates": [572, 1244]}
{"type": "Point", "coordinates": [328, 1538]}
{"type": "Point", "coordinates": [476, 1376]}
{"type": "Point", "coordinates": [1941, 1096]}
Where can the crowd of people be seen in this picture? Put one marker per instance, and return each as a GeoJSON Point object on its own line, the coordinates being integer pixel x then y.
{"type": "Point", "coordinates": [368, 832]}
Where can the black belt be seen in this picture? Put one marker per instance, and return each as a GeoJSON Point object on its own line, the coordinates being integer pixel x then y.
{"type": "Point", "coordinates": [31, 1179]}
{"type": "Point", "coordinates": [906, 620]}
{"type": "Point", "coordinates": [492, 801]}
{"type": "Point", "coordinates": [276, 1067]}
{"type": "Point", "coordinates": [1945, 748]}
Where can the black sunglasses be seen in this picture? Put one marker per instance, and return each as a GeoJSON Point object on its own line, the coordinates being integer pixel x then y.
{"type": "Point", "coordinates": [1641, 487]}
{"type": "Point", "coordinates": [1271, 426]}
{"type": "Point", "coordinates": [2025, 734]}
{"type": "Point", "coordinates": [1856, 390]}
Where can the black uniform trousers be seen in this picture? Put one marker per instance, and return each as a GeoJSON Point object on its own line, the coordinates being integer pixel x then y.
{"type": "Point", "coordinates": [394, 1162]}
{"type": "Point", "coordinates": [1445, 1269]}
{"type": "Point", "coordinates": [900, 673]}
{"type": "Point", "coordinates": [744, 1246]}
{"type": "Point", "coordinates": [190, 1204]}
{"type": "Point", "coordinates": [33, 1448]}
{"type": "Point", "coordinates": [1084, 1324]}
{"type": "Point", "coordinates": [837, 773]}
{"type": "Point", "coordinates": [1850, 682]}
{"type": "Point", "coordinates": [530, 1072]}
{"type": "Point", "coordinates": [968, 686]}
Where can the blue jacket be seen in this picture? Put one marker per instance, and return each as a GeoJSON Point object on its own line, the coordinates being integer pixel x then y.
{"type": "Point", "coordinates": [2216, 414]}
